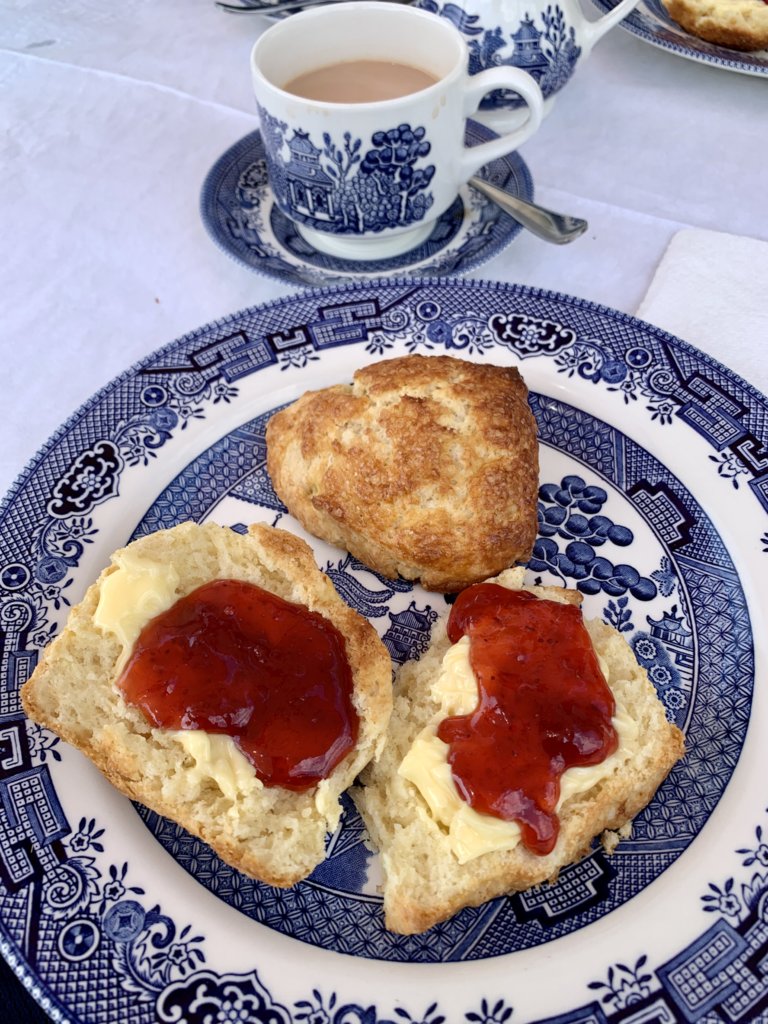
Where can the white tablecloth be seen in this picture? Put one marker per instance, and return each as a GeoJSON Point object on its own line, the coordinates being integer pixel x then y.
{"type": "Point", "coordinates": [111, 114]}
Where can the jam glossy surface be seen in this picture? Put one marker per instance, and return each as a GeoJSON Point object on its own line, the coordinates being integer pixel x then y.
{"type": "Point", "coordinates": [544, 706]}
{"type": "Point", "coordinates": [233, 658]}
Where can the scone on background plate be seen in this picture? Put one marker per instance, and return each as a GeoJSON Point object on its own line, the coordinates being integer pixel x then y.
{"type": "Point", "coordinates": [738, 24]}
{"type": "Point", "coordinates": [424, 467]}
{"type": "Point", "coordinates": [439, 854]}
{"type": "Point", "coordinates": [273, 832]}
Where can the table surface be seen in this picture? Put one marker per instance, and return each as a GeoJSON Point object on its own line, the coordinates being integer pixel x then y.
{"type": "Point", "coordinates": [112, 114]}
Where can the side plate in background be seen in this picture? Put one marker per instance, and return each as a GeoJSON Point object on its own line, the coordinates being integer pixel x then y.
{"type": "Point", "coordinates": [649, 21]}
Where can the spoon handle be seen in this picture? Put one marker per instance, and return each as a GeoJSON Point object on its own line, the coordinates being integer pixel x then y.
{"type": "Point", "coordinates": [552, 227]}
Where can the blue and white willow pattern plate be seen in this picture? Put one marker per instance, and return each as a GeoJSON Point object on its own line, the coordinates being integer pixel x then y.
{"type": "Point", "coordinates": [239, 212]}
{"type": "Point", "coordinates": [650, 21]}
{"type": "Point", "coordinates": [653, 499]}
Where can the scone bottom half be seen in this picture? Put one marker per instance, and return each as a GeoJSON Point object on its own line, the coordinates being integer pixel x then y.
{"type": "Point", "coordinates": [424, 467]}
{"type": "Point", "coordinates": [275, 833]}
{"type": "Point", "coordinates": [438, 855]}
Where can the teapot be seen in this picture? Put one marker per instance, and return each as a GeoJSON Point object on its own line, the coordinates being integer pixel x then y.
{"type": "Point", "coordinates": [547, 38]}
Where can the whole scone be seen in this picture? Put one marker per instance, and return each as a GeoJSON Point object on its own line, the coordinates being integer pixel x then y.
{"type": "Point", "coordinates": [425, 467]}
{"type": "Point", "coordinates": [739, 24]}
{"type": "Point", "coordinates": [270, 832]}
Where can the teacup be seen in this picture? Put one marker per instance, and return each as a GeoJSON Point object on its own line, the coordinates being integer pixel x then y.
{"type": "Point", "coordinates": [367, 179]}
{"type": "Point", "coordinates": [547, 38]}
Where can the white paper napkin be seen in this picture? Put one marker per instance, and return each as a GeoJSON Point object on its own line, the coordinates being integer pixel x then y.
{"type": "Point", "coordinates": [711, 289]}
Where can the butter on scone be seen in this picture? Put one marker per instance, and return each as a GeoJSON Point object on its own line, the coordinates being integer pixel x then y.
{"type": "Point", "coordinates": [163, 676]}
{"type": "Point", "coordinates": [738, 24]}
{"type": "Point", "coordinates": [461, 805]}
{"type": "Point", "coordinates": [425, 467]}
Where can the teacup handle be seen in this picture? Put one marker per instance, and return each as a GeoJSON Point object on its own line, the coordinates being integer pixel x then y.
{"type": "Point", "coordinates": [594, 30]}
{"type": "Point", "coordinates": [480, 85]}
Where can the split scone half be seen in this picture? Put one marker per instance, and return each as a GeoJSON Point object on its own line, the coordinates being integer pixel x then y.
{"type": "Point", "coordinates": [438, 853]}
{"type": "Point", "coordinates": [424, 467]}
{"type": "Point", "coordinates": [200, 779]}
{"type": "Point", "coordinates": [738, 24]}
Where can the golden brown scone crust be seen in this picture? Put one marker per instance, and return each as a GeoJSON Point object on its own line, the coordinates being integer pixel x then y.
{"type": "Point", "coordinates": [425, 467]}
{"type": "Point", "coordinates": [273, 834]}
{"type": "Point", "coordinates": [739, 24]}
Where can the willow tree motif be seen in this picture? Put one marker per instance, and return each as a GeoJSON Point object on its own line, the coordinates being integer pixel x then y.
{"type": "Point", "coordinates": [337, 187]}
{"type": "Point", "coordinates": [339, 164]}
{"type": "Point", "coordinates": [559, 45]}
{"type": "Point", "coordinates": [394, 157]}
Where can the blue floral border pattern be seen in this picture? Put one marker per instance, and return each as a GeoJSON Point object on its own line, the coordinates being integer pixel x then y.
{"type": "Point", "coordinates": [73, 923]}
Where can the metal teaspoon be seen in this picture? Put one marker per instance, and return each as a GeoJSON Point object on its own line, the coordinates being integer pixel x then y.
{"type": "Point", "coordinates": [552, 227]}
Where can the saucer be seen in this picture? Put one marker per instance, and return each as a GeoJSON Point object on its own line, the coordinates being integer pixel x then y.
{"type": "Point", "coordinates": [240, 214]}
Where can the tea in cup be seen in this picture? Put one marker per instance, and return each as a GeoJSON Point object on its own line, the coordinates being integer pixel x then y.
{"type": "Point", "coordinates": [363, 109]}
{"type": "Point", "coordinates": [547, 38]}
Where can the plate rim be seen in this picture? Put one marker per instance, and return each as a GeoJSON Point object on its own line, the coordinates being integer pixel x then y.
{"type": "Point", "coordinates": [323, 290]}
{"type": "Point", "coordinates": [319, 294]}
